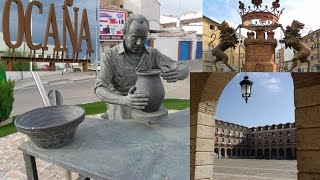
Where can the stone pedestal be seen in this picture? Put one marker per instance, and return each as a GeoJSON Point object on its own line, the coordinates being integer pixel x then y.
{"type": "Point", "coordinates": [260, 52]}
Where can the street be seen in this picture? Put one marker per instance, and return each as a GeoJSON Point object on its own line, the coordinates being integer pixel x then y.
{"type": "Point", "coordinates": [244, 169]}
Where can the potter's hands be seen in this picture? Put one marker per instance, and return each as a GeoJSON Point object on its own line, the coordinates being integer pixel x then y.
{"type": "Point", "coordinates": [136, 101]}
{"type": "Point", "coordinates": [170, 74]}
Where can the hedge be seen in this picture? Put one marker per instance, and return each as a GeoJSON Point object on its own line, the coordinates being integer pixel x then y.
{"type": "Point", "coordinates": [6, 99]}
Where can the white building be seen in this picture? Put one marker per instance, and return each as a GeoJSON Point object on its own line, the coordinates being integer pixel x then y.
{"type": "Point", "coordinates": [149, 8]}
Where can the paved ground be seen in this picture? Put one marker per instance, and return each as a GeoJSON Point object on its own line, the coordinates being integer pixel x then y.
{"type": "Point", "coordinates": [12, 164]}
{"type": "Point", "coordinates": [254, 169]}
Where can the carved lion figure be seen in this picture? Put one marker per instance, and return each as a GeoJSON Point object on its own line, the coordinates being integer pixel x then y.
{"type": "Point", "coordinates": [293, 40]}
{"type": "Point", "coordinates": [227, 39]}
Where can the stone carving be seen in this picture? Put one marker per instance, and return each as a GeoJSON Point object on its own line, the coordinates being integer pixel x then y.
{"type": "Point", "coordinates": [119, 66]}
{"type": "Point", "coordinates": [228, 39]}
{"type": "Point", "coordinates": [293, 40]}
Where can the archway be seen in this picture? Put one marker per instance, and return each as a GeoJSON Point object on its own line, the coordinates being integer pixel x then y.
{"type": "Point", "coordinates": [248, 152]}
{"type": "Point", "coordinates": [239, 153]}
{"type": "Point", "coordinates": [234, 151]}
{"type": "Point", "coordinates": [289, 153]}
{"type": "Point", "coordinates": [203, 110]}
{"type": "Point", "coordinates": [274, 153]}
{"type": "Point", "coordinates": [266, 153]}
{"type": "Point", "coordinates": [223, 153]}
{"type": "Point", "coordinates": [260, 153]}
{"type": "Point", "coordinates": [281, 153]}
{"type": "Point", "coordinates": [253, 152]}
{"type": "Point", "coordinates": [216, 152]}
{"type": "Point", "coordinates": [228, 153]}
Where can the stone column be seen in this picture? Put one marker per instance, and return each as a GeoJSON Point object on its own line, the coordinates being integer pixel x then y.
{"type": "Point", "coordinates": [205, 92]}
{"type": "Point", "coordinates": [307, 104]}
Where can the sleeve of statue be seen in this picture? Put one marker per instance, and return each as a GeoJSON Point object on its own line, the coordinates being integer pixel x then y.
{"type": "Point", "coordinates": [164, 62]}
{"type": "Point", "coordinates": [106, 70]}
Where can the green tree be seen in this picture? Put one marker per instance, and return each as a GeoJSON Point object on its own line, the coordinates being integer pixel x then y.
{"type": "Point", "coordinates": [6, 99]}
{"type": "Point", "coordinates": [19, 66]}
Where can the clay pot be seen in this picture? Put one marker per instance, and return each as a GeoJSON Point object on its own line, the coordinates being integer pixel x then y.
{"type": "Point", "coordinates": [149, 83]}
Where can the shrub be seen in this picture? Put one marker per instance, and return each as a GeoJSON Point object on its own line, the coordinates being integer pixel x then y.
{"type": "Point", "coordinates": [6, 99]}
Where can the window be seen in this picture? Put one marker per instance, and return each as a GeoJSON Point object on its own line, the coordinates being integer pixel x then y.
{"type": "Point", "coordinates": [252, 142]}
{"type": "Point", "coordinates": [280, 133]}
{"type": "Point", "coordinates": [229, 140]}
{"type": "Point", "coordinates": [288, 132]}
{"type": "Point", "coordinates": [217, 139]}
{"type": "Point", "coordinates": [288, 140]}
{"type": "Point", "coordinates": [280, 140]}
{"type": "Point", "coordinates": [211, 27]}
{"type": "Point", "coordinates": [234, 141]}
{"type": "Point", "coordinates": [222, 139]}
{"type": "Point", "coordinates": [259, 142]}
{"type": "Point", "coordinates": [273, 141]}
{"type": "Point", "coordinates": [223, 130]}
{"type": "Point", "coordinates": [266, 142]}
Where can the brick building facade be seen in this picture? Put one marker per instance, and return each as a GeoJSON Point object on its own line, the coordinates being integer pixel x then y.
{"type": "Point", "coordinates": [268, 142]}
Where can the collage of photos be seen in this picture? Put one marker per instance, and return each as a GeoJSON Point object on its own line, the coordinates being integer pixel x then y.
{"type": "Point", "coordinates": [159, 90]}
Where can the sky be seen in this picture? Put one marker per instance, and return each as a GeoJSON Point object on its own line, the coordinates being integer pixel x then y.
{"type": "Point", "coordinates": [40, 20]}
{"type": "Point", "coordinates": [271, 101]}
{"type": "Point", "coordinates": [303, 11]}
{"type": "Point", "coordinates": [178, 7]}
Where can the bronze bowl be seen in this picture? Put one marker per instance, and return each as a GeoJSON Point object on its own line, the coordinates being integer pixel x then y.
{"type": "Point", "coordinates": [51, 127]}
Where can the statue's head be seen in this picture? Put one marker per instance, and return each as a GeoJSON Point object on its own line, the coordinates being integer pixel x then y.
{"type": "Point", "coordinates": [297, 25]}
{"type": "Point", "coordinates": [135, 32]}
{"type": "Point", "coordinates": [224, 25]}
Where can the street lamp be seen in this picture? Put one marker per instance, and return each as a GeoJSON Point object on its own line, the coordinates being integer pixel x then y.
{"type": "Point", "coordinates": [246, 88]}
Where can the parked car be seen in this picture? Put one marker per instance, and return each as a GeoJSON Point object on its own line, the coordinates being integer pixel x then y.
{"type": "Point", "coordinates": [76, 70]}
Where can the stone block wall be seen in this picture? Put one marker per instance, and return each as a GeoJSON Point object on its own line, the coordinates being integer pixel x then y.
{"type": "Point", "coordinates": [205, 92]}
{"type": "Point", "coordinates": [307, 104]}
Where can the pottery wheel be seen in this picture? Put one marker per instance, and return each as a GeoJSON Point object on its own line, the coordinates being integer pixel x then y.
{"type": "Point", "coordinates": [159, 115]}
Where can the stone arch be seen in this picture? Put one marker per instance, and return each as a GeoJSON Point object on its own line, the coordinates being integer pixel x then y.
{"type": "Point", "coordinates": [274, 153]}
{"type": "Point", "coordinates": [281, 153]}
{"type": "Point", "coordinates": [216, 152]}
{"type": "Point", "coordinates": [234, 152]}
{"type": "Point", "coordinates": [229, 152]}
{"type": "Point", "coordinates": [243, 152]}
{"type": "Point", "coordinates": [202, 114]}
{"type": "Point", "coordinates": [266, 153]}
{"type": "Point", "coordinates": [260, 153]}
{"type": "Point", "coordinates": [253, 152]}
{"type": "Point", "coordinates": [223, 152]}
{"type": "Point", "coordinates": [289, 153]}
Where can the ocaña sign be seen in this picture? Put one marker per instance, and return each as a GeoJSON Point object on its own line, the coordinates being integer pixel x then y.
{"type": "Point", "coordinates": [24, 27]}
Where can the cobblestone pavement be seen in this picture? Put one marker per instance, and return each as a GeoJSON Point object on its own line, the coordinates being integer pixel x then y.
{"type": "Point", "coordinates": [12, 164]}
{"type": "Point", "coordinates": [254, 169]}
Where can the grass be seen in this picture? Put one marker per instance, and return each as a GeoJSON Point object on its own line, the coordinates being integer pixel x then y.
{"type": "Point", "coordinates": [100, 107]}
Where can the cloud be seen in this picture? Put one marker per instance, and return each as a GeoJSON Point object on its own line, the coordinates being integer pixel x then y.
{"type": "Point", "coordinates": [179, 7]}
{"type": "Point", "coordinates": [271, 84]}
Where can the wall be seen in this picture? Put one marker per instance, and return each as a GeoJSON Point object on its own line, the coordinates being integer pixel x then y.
{"type": "Point", "coordinates": [167, 46]}
{"type": "Point", "coordinates": [133, 5]}
{"type": "Point", "coordinates": [151, 9]}
{"type": "Point", "coordinates": [307, 103]}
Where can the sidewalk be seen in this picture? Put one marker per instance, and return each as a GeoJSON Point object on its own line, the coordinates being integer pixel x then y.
{"type": "Point", "coordinates": [56, 79]}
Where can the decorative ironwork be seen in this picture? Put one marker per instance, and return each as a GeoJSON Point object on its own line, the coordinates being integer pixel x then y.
{"type": "Point", "coordinates": [258, 16]}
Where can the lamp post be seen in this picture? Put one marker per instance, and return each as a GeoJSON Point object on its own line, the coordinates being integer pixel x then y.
{"type": "Point", "coordinates": [246, 88]}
